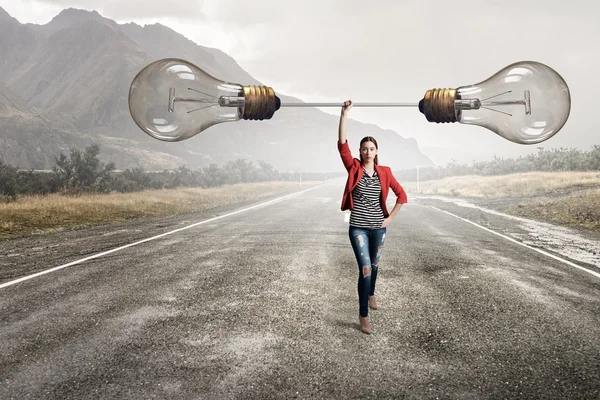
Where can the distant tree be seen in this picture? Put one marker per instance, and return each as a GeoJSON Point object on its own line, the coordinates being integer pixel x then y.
{"type": "Point", "coordinates": [8, 182]}
{"type": "Point", "coordinates": [131, 180]}
{"type": "Point", "coordinates": [83, 171]}
{"type": "Point", "coordinates": [35, 183]}
{"type": "Point", "coordinates": [182, 177]}
{"type": "Point", "coordinates": [267, 171]}
{"type": "Point", "coordinates": [593, 158]}
{"type": "Point", "coordinates": [213, 176]}
{"type": "Point", "coordinates": [544, 160]}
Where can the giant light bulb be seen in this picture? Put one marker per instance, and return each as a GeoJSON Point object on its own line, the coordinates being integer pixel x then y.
{"type": "Point", "coordinates": [172, 100]}
{"type": "Point", "coordinates": [526, 102]}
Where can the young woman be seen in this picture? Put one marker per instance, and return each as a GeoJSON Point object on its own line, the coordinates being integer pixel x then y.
{"type": "Point", "coordinates": [365, 195]}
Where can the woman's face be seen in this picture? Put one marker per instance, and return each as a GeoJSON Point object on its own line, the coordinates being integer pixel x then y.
{"type": "Point", "coordinates": [368, 151]}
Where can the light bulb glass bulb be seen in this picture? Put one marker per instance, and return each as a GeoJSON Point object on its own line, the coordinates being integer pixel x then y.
{"type": "Point", "coordinates": [526, 102]}
{"type": "Point", "coordinates": [173, 100]}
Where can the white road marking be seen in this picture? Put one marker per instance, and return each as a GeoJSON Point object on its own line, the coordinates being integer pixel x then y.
{"type": "Point", "coordinates": [25, 278]}
{"type": "Point", "coordinates": [346, 217]}
{"type": "Point", "coordinates": [596, 274]}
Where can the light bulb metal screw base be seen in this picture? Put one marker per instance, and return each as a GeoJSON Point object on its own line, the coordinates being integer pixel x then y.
{"type": "Point", "coordinates": [260, 102]}
{"type": "Point", "coordinates": [438, 105]}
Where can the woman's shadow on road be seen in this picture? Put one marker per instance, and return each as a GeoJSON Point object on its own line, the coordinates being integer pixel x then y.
{"type": "Point", "coordinates": [342, 323]}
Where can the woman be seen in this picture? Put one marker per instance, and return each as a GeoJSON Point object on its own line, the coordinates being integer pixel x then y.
{"type": "Point", "coordinates": [365, 195]}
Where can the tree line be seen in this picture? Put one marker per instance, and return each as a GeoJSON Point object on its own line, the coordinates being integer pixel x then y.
{"type": "Point", "coordinates": [544, 160]}
{"type": "Point", "coordinates": [82, 172]}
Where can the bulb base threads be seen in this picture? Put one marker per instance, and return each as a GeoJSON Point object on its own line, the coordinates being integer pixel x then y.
{"type": "Point", "coordinates": [438, 105]}
{"type": "Point", "coordinates": [260, 102]}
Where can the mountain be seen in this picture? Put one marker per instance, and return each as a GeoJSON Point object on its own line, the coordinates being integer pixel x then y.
{"type": "Point", "coordinates": [73, 17]}
{"type": "Point", "coordinates": [29, 139]}
{"type": "Point", "coordinates": [17, 43]}
{"type": "Point", "coordinates": [66, 84]}
{"type": "Point", "coordinates": [12, 104]}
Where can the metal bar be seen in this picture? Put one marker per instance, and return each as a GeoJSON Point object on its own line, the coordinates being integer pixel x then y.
{"type": "Point", "coordinates": [353, 104]}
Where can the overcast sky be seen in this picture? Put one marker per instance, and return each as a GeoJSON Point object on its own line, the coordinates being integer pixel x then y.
{"type": "Point", "coordinates": [332, 50]}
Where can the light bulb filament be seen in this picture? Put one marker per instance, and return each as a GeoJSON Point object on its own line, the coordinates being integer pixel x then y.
{"type": "Point", "coordinates": [201, 108]}
{"type": "Point", "coordinates": [496, 95]}
{"type": "Point", "coordinates": [502, 112]}
{"type": "Point", "coordinates": [223, 101]}
{"type": "Point", "coordinates": [173, 99]}
{"type": "Point", "coordinates": [198, 91]}
{"type": "Point", "coordinates": [525, 102]}
{"type": "Point", "coordinates": [476, 104]}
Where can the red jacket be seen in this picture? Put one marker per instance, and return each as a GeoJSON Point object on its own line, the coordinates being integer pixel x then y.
{"type": "Point", "coordinates": [355, 173]}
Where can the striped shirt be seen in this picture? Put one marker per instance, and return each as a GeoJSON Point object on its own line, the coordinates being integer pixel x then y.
{"type": "Point", "coordinates": [367, 212]}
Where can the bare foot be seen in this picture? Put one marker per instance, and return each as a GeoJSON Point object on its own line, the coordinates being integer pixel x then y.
{"type": "Point", "coordinates": [372, 303]}
{"type": "Point", "coordinates": [365, 325]}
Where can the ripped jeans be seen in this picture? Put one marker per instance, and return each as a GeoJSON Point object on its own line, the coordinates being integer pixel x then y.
{"type": "Point", "coordinates": [367, 245]}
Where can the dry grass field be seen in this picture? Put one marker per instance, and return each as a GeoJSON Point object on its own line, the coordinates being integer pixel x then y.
{"type": "Point", "coordinates": [567, 198]}
{"type": "Point", "coordinates": [31, 215]}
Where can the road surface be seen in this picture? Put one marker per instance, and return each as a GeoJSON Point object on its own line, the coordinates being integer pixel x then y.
{"type": "Point", "coordinates": [262, 303]}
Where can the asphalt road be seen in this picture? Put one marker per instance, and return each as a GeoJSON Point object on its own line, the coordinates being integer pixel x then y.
{"type": "Point", "coordinates": [263, 304]}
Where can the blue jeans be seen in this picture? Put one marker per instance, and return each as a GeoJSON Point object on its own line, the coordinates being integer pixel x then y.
{"type": "Point", "coordinates": [367, 245]}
